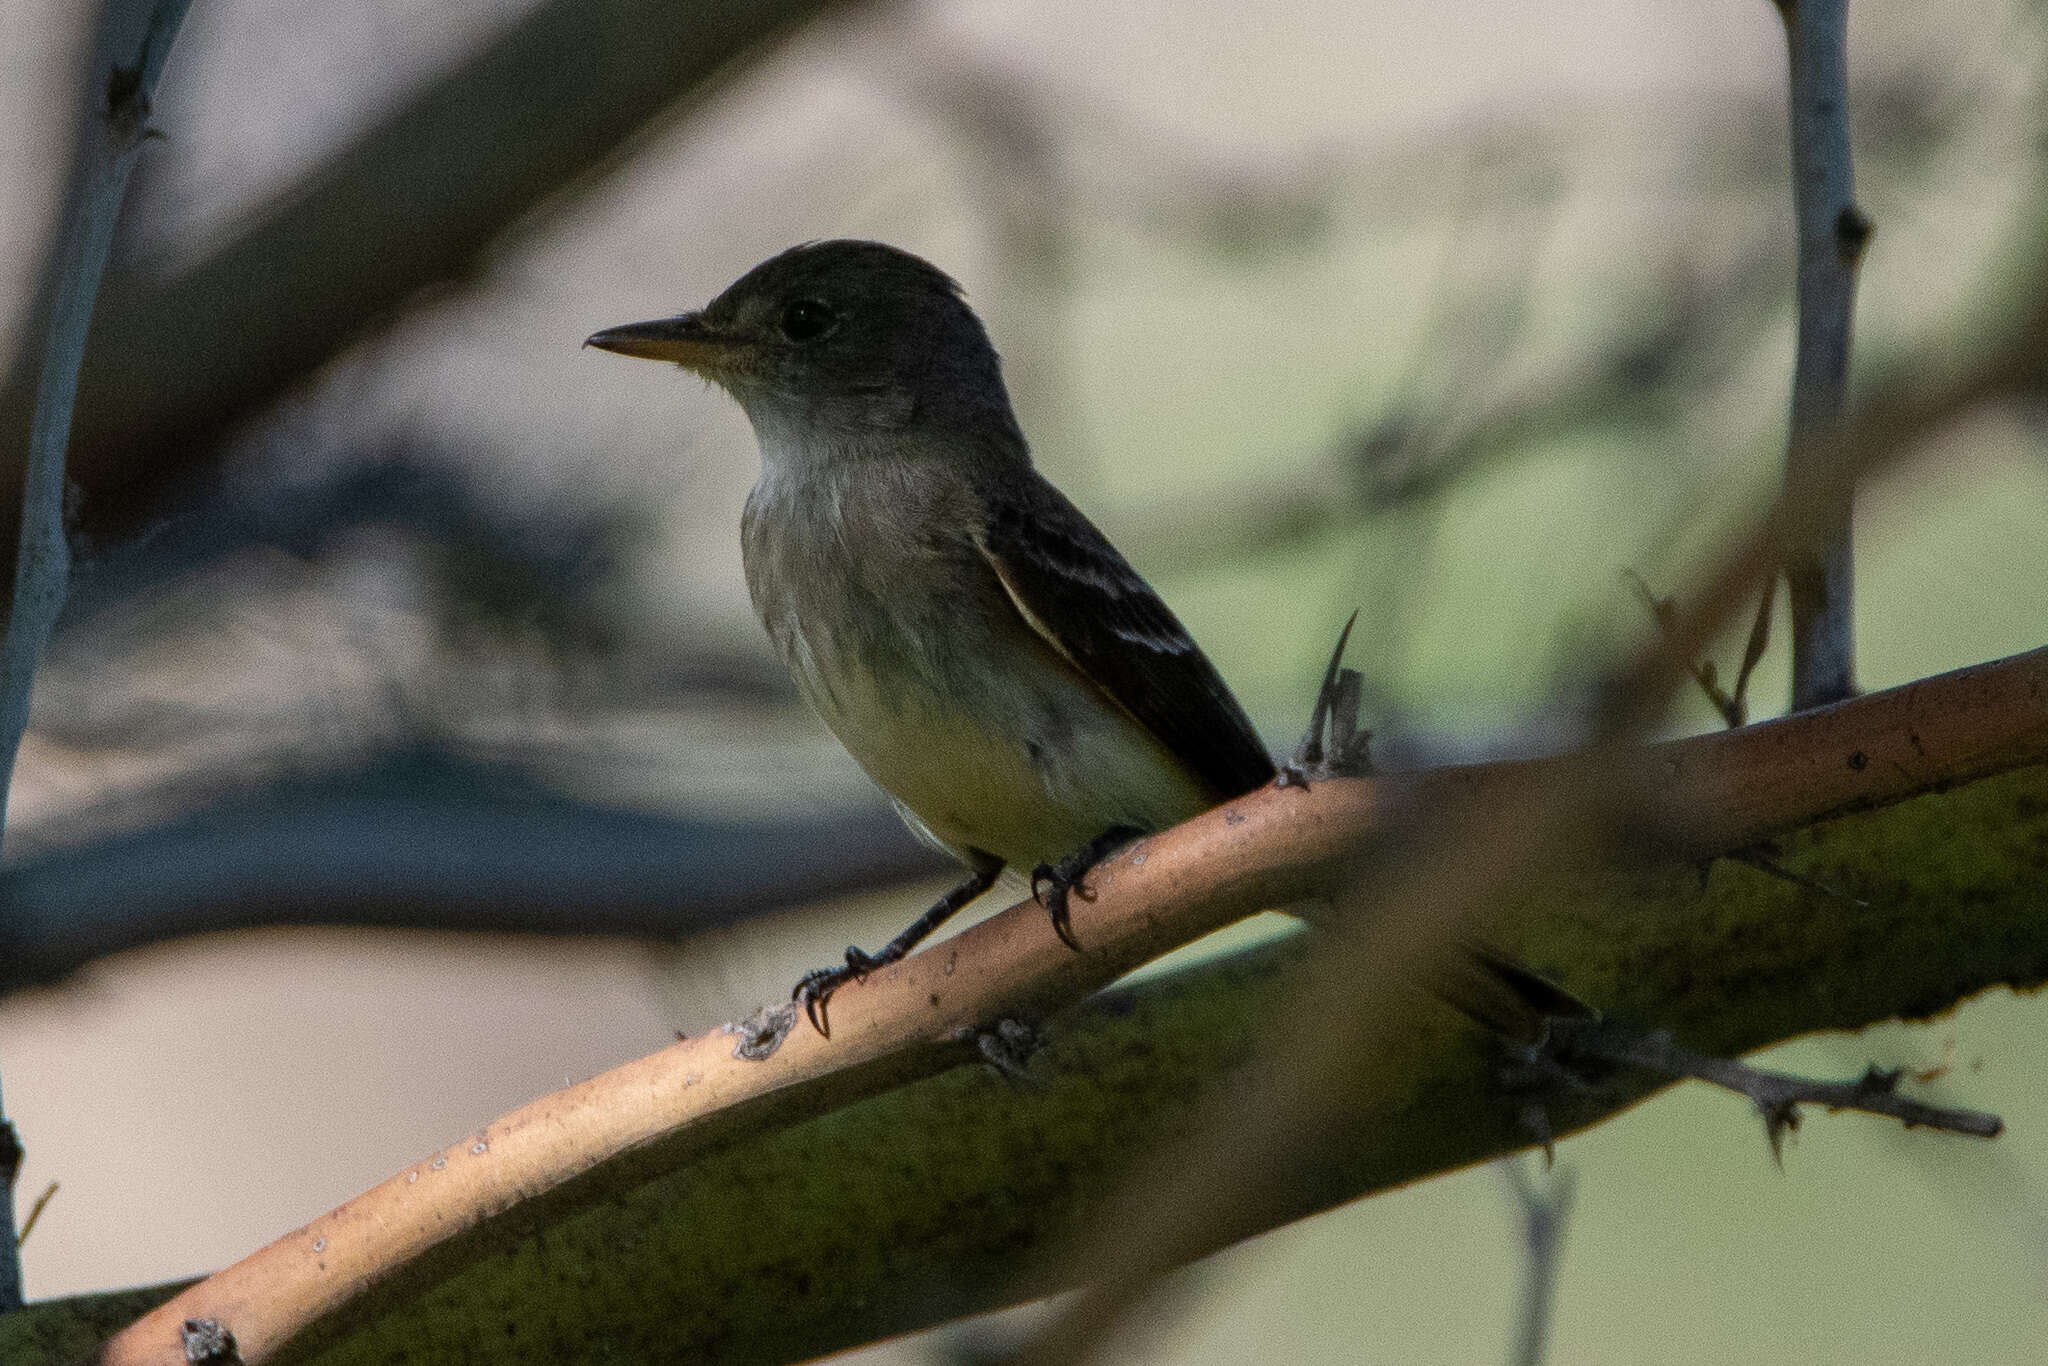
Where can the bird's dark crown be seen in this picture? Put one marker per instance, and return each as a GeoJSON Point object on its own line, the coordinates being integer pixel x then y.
{"type": "Point", "coordinates": [839, 324]}
{"type": "Point", "coordinates": [847, 270]}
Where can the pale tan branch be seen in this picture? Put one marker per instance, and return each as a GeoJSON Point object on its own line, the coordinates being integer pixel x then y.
{"type": "Point", "coordinates": [1273, 847]}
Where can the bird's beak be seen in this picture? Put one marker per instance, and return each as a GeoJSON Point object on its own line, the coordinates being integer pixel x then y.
{"type": "Point", "coordinates": [685, 340]}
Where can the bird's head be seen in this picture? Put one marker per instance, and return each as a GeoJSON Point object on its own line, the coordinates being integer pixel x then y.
{"type": "Point", "coordinates": [845, 337]}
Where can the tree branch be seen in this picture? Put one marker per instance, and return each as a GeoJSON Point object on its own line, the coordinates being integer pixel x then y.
{"type": "Point", "coordinates": [347, 1270]}
{"type": "Point", "coordinates": [1541, 1216]}
{"type": "Point", "coordinates": [1325, 1066]}
{"type": "Point", "coordinates": [133, 42]}
{"type": "Point", "coordinates": [410, 204]}
{"type": "Point", "coordinates": [1832, 233]}
{"type": "Point", "coordinates": [1776, 1095]}
{"type": "Point", "coordinates": [937, 1200]}
{"type": "Point", "coordinates": [423, 840]}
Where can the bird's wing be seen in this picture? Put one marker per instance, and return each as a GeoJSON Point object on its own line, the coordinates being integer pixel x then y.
{"type": "Point", "coordinates": [1073, 588]}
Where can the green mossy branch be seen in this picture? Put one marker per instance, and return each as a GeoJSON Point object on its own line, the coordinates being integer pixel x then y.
{"type": "Point", "coordinates": [936, 1200]}
{"type": "Point", "coordinates": [60, 1332]}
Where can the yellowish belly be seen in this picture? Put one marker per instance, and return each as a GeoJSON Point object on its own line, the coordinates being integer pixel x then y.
{"type": "Point", "coordinates": [1026, 770]}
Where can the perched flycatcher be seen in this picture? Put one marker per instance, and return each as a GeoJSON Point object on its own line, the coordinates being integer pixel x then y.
{"type": "Point", "coordinates": [983, 651]}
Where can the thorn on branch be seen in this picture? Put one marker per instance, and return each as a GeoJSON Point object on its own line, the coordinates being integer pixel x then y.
{"type": "Point", "coordinates": [130, 87]}
{"type": "Point", "coordinates": [1780, 1117]}
{"type": "Point", "coordinates": [1334, 745]}
{"type": "Point", "coordinates": [1764, 858]}
{"type": "Point", "coordinates": [127, 107]}
{"type": "Point", "coordinates": [1536, 1119]}
{"type": "Point", "coordinates": [1777, 1096]}
{"type": "Point", "coordinates": [1852, 233]}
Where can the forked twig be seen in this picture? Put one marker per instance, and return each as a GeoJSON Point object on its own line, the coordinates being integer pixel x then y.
{"type": "Point", "coordinates": [1733, 706]}
{"type": "Point", "coordinates": [1776, 1095]}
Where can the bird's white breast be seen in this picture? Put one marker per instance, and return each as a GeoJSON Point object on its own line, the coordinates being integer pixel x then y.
{"type": "Point", "coordinates": [902, 640]}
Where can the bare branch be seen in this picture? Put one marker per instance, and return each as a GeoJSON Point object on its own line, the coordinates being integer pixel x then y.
{"type": "Point", "coordinates": [1832, 234]}
{"type": "Point", "coordinates": [1664, 611]}
{"type": "Point", "coordinates": [1323, 1068]}
{"type": "Point", "coordinates": [1776, 1095]}
{"type": "Point", "coordinates": [411, 203]}
{"type": "Point", "coordinates": [122, 80]}
{"type": "Point", "coordinates": [423, 840]}
{"type": "Point", "coordinates": [1542, 1215]}
{"type": "Point", "coordinates": [1273, 847]}
{"type": "Point", "coordinates": [1733, 706]}
{"type": "Point", "coordinates": [134, 42]}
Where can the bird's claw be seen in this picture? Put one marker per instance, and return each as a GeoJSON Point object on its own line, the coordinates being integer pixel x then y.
{"type": "Point", "coordinates": [1059, 881]}
{"type": "Point", "coordinates": [815, 988]}
{"type": "Point", "coordinates": [1065, 878]}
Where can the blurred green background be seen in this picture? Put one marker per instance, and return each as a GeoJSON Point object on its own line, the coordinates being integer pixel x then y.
{"type": "Point", "coordinates": [1451, 318]}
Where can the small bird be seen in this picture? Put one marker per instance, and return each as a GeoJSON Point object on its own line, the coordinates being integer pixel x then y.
{"type": "Point", "coordinates": [984, 652]}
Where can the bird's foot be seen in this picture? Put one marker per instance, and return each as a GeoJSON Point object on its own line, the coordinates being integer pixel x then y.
{"type": "Point", "coordinates": [1059, 880]}
{"type": "Point", "coordinates": [815, 988]}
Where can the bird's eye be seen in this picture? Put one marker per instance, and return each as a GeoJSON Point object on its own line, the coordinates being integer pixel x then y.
{"type": "Point", "coordinates": [805, 319]}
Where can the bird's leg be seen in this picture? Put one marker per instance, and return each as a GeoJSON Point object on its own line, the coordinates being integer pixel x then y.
{"type": "Point", "coordinates": [1065, 876]}
{"type": "Point", "coordinates": [813, 989]}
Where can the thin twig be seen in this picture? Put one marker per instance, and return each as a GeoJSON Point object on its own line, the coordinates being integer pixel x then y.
{"type": "Point", "coordinates": [551, 101]}
{"type": "Point", "coordinates": [1832, 235]}
{"type": "Point", "coordinates": [1777, 1095]}
{"type": "Point", "coordinates": [1733, 706]}
{"type": "Point", "coordinates": [134, 41]}
{"type": "Point", "coordinates": [1541, 1215]}
{"type": "Point", "coordinates": [35, 1212]}
{"type": "Point", "coordinates": [1664, 612]}
{"type": "Point", "coordinates": [10, 1245]}
{"type": "Point", "coordinates": [122, 82]}
{"type": "Point", "coordinates": [1764, 858]}
{"type": "Point", "coordinates": [1753, 650]}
